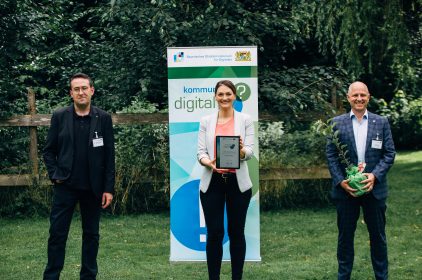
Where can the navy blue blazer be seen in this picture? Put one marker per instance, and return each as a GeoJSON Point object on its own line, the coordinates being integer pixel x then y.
{"type": "Point", "coordinates": [378, 161]}
{"type": "Point", "coordinates": [58, 150]}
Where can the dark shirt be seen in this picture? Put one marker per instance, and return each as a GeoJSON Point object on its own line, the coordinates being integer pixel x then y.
{"type": "Point", "coordinates": [79, 178]}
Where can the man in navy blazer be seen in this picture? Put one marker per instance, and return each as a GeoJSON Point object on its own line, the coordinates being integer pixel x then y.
{"type": "Point", "coordinates": [369, 143]}
{"type": "Point", "coordinates": [79, 156]}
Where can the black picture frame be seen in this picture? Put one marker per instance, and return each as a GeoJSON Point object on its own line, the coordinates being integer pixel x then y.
{"type": "Point", "coordinates": [227, 152]}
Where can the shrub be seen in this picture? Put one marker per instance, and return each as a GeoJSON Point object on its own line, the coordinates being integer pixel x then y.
{"type": "Point", "coordinates": [284, 194]}
{"type": "Point", "coordinates": [405, 116]}
{"type": "Point", "coordinates": [142, 168]}
{"type": "Point", "coordinates": [279, 148]}
{"type": "Point", "coordinates": [292, 92]}
{"type": "Point", "coordinates": [290, 149]}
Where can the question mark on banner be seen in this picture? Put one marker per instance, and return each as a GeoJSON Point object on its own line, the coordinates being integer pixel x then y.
{"type": "Point", "coordinates": [243, 91]}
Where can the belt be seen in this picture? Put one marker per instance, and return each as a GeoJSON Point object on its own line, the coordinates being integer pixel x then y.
{"type": "Point", "coordinates": [226, 176]}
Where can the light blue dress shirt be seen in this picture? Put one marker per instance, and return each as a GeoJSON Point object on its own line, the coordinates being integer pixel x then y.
{"type": "Point", "coordinates": [360, 131]}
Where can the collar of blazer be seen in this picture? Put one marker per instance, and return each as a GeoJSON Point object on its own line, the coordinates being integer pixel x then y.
{"type": "Point", "coordinates": [372, 121]}
{"type": "Point", "coordinates": [94, 114]}
{"type": "Point", "coordinates": [237, 122]}
{"type": "Point", "coordinates": [372, 130]}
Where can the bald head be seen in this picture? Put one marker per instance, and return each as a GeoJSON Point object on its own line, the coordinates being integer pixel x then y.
{"type": "Point", "coordinates": [358, 97]}
{"type": "Point", "coordinates": [357, 86]}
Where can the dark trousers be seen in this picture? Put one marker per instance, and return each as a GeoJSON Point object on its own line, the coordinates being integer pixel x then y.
{"type": "Point", "coordinates": [225, 192]}
{"type": "Point", "coordinates": [374, 216]}
{"type": "Point", "coordinates": [64, 202]}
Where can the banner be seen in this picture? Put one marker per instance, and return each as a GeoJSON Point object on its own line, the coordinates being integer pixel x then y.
{"type": "Point", "coordinates": [192, 75]}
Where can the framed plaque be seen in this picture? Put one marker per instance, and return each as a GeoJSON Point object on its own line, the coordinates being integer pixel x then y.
{"type": "Point", "coordinates": [228, 148]}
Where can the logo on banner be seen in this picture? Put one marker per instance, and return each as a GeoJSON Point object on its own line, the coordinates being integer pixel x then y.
{"type": "Point", "coordinates": [243, 56]}
{"type": "Point", "coordinates": [178, 57]}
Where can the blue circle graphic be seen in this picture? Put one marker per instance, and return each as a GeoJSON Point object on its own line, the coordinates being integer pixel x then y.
{"type": "Point", "coordinates": [184, 218]}
{"type": "Point", "coordinates": [238, 104]}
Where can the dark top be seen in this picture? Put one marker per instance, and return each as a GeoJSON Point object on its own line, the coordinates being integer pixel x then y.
{"type": "Point", "coordinates": [59, 149]}
{"type": "Point", "coordinates": [79, 177]}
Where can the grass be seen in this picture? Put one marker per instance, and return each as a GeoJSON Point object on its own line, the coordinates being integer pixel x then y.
{"type": "Point", "coordinates": [295, 244]}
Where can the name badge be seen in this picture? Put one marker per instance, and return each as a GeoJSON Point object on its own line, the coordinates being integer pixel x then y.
{"type": "Point", "coordinates": [376, 144]}
{"type": "Point", "coordinates": [97, 142]}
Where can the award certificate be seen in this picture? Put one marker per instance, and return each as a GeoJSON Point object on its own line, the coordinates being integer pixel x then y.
{"type": "Point", "coordinates": [228, 148]}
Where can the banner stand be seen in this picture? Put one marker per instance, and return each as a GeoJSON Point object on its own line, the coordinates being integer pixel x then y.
{"type": "Point", "coordinates": [192, 75]}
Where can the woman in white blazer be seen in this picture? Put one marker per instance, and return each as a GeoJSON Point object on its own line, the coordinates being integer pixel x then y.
{"type": "Point", "coordinates": [225, 187]}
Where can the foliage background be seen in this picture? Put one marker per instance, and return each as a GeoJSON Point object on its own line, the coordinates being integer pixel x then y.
{"type": "Point", "coordinates": [306, 50]}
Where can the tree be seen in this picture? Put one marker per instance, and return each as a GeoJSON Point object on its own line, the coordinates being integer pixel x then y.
{"type": "Point", "coordinates": [372, 40]}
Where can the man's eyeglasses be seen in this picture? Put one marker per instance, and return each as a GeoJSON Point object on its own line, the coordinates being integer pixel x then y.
{"type": "Point", "coordinates": [78, 89]}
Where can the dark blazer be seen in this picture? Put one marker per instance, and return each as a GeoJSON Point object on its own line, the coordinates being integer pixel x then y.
{"type": "Point", "coordinates": [58, 151]}
{"type": "Point", "coordinates": [378, 161]}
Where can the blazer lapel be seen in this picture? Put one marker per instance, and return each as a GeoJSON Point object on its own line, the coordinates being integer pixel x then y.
{"type": "Point", "coordinates": [211, 128]}
{"type": "Point", "coordinates": [69, 121]}
{"type": "Point", "coordinates": [349, 128]}
{"type": "Point", "coordinates": [93, 125]}
{"type": "Point", "coordinates": [237, 124]}
{"type": "Point", "coordinates": [371, 130]}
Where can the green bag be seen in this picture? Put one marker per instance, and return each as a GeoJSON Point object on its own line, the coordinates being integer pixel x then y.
{"type": "Point", "coordinates": [355, 177]}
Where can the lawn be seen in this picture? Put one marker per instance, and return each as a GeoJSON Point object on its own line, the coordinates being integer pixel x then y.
{"type": "Point", "coordinates": [295, 244]}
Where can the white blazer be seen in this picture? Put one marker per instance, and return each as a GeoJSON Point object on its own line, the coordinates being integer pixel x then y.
{"type": "Point", "coordinates": [243, 126]}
